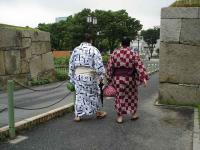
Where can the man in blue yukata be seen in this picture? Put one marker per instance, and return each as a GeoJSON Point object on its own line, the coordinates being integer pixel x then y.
{"type": "Point", "coordinates": [86, 71]}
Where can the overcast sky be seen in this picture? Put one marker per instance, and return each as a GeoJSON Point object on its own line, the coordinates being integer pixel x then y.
{"type": "Point", "coordinates": [32, 12]}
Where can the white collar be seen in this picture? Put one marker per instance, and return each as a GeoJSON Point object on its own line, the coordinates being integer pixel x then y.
{"type": "Point", "coordinates": [86, 43]}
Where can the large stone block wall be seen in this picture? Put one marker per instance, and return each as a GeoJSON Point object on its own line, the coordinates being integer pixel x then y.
{"type": "Point", "coordinates": [180, 55]}
{"type": "Point", "coordinates": [25, 55]}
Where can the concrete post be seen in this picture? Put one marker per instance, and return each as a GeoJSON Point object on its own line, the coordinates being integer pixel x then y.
{"type": "Point", "coordinates": [10, 85]}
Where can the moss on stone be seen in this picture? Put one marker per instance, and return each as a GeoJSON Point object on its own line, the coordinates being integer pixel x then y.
{"type": "Point", "coordinates": [185, 4]}
{"type": "Point", "coordinates": [199, 113]}
{"type": "Point", "coordinates": [17, 27]}
{"type": "Point", "coordinates": [175, 103]}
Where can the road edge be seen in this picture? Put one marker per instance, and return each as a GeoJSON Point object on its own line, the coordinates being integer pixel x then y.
{"type": "Point", "coordinates": [196, 131]}
{"type": "Point", "coordinates": [196, 128]}
{"type": "Point", "coordinates": [36, 120]}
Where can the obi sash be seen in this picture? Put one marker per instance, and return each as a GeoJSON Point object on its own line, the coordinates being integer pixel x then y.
{"type": "Point", "coordinates": [122, 71]}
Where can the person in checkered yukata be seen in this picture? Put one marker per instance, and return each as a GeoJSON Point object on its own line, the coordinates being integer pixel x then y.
{"type": "Point", "coordinates": [86, 69]}
{"type": "Point", "coordinates": [125, 71]}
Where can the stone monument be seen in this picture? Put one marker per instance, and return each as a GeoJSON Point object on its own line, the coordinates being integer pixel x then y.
{"type": "Point", "coordinates": [25, 54]}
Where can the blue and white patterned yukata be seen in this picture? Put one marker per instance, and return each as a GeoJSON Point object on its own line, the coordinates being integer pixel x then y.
{"type": "Point", "coordinates": [86, 86]}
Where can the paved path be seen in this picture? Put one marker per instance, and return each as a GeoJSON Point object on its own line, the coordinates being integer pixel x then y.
{"type": "Point", "coordinates": [29, 99]}
{"type": "Point", "coordinates": [157, 129]}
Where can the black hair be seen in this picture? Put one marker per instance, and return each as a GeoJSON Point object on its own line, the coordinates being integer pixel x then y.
{"type": "Point", "coordinates": [126, 41]}
{"type": "Point", "coordinates": [87, 38]}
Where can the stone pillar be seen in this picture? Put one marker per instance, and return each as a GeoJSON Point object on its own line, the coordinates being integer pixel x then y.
{"type": "Point", "coordinates": [180, 56]}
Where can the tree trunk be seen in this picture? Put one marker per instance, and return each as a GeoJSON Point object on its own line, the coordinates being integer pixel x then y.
{"type": "Point", "coordinates": [151, 50]}
{"type": "Point", "coordinates": [111, 45]}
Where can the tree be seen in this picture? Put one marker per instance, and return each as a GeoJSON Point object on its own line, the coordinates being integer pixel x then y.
{"type": "Point", "coordinates": [151, 36]}
{"type": "Point", "coordinates": [111, 26]}
{"type": "Point", "coordinates": [157, 51]}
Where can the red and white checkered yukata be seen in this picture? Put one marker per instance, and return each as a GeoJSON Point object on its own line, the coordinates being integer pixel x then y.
{"type": "Point", "coordinates": [126, 100]}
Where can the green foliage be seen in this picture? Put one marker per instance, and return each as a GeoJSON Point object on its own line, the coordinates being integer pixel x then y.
{"type": "Point", "coordinates": [175, 103]}
{"type": "Point", "coordinates": [17, 27]}
{"type": "Point", "coordinates": [70, 87]}
{"type": "Point", "coordinates": [3, 137]}
{"type": "Point", "coordinates": [62, 73]}
{"type": "Point", "coordinates": [103, 44]}
{"type": "Point", "coordinates": [40, 82]}
{"type": "Point", "coordinates": [112, 25]}
{"type": "Point", "coordinates": [62, 61]}
{"type": "Point", "coordinates": [186, 3]}
{"type": "Point", "coordinates": [151, 36]}
{"type": "Point", "coordinates": [61, 68]}
{"type": "Point", "coordinates": [105, 58]}
{"type": "Point", "coordinates": [44, 27]}
{"type": "Point", "coordinates": [61, 76]}
{"type": "Point", "coordinates": [199, 113]}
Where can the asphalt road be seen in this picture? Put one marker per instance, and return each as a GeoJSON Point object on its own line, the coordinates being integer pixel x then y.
{"type": "Point", "coordinates": [29, 99]}
{"type": "Point", "coordinates": [157, 129]}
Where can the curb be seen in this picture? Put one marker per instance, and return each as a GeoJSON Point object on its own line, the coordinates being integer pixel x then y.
{"type": "Point", "coordinates": [36, 120]}
{"type": "Point", "coordinates": [152, 72]}
{"type": "Point", "coordinates": [156, 103]}
{"type": "Point", "coordinates": [196, 131]}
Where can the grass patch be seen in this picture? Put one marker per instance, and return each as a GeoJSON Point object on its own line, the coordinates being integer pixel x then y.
{"type": "Point", "coordinates": [175, 103]}
{"type": "Point", "coordinates": [3, 138]}
{"type": "Point", "coordinates": [17, 27]}
{"type": "Point", "coordinates": [199, 113]}
{"type": "Point", "coordinates": [40, 82]}
{"type": "Point", "coordinates": [185, 4]}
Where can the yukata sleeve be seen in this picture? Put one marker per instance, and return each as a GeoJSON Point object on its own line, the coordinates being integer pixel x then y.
{"type": "Point", "coordinates": [142, 74]}
{"type": "Point", "coordinates": [110, 69]}
{"type": "Point", "coordinates": [72, 69]}
{"type": "Point", "coordinates": [98, 65]}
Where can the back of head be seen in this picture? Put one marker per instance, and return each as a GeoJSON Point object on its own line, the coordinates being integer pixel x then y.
{"type": "Point", "coordinates": [87, 38]}
{"type": "Point", "coordinates": [126, 41]}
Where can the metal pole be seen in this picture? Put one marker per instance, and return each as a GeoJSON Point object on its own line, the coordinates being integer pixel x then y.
{"type": "Point", "coordinates": [10, 85]}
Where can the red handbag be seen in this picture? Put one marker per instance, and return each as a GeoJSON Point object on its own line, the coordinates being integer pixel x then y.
{"type": "Point", "coordinates": [109, 91]}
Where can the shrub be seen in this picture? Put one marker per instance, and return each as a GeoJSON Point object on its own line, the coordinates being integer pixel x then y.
{"type": "Point", "coordinates": [105, 59]}
{"type": "Point", "coordinates": [61, 61]}
{"type": "Point", "coordinates": [40, 82]}
{"type": "Point", "coordinates": [61, 76]}
{"type": "Point", "coordinates": [70, 87]}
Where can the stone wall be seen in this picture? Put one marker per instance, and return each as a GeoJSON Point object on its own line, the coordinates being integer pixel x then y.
{"type": "Point", "coordinates": [25, 54]}
{"type": "Point", "coordinates": [180, 55]}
